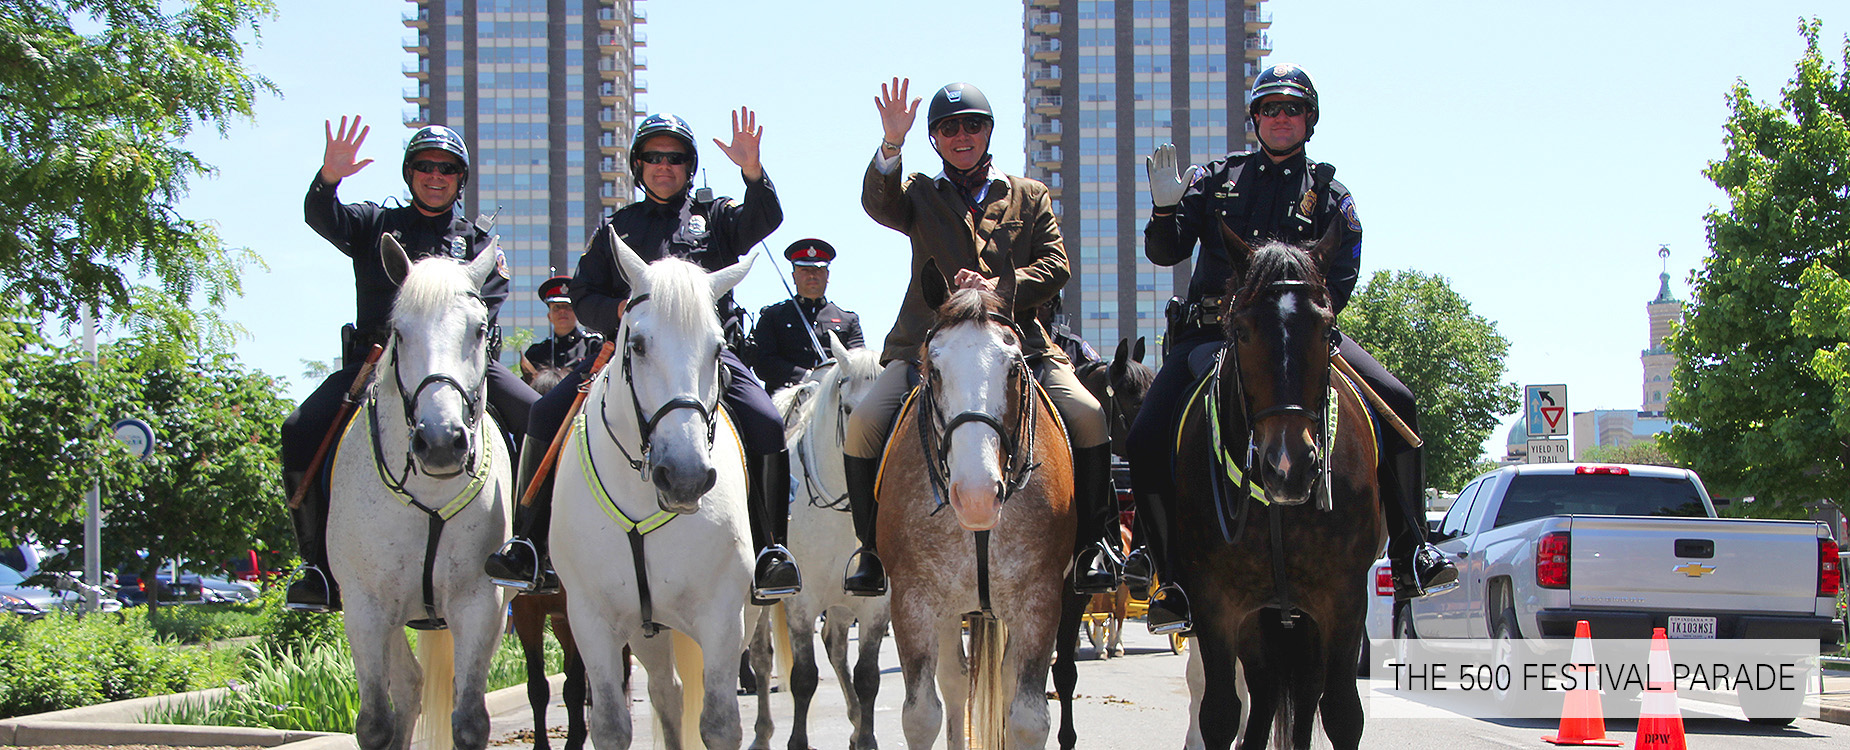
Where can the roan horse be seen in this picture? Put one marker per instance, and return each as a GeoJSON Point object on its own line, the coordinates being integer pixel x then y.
{"type": "Point", "coordinates": [822, 537]}
{"type": "Point", "coordinates": [649, 527]}
{"type": "Point", "coordinates": [1278, 568]}
{"type": "Point", "coordinates": [1001, 554]}
{"type": "Point", "coordinates": [420, 493]}
{"type": "Point", "coordinates": [1119, 385]}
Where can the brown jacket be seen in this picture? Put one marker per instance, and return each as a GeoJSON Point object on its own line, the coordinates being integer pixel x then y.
{"type": "Point", "coordinates": [1017, 224]}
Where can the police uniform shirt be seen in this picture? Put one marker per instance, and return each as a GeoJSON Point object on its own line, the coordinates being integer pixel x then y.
{"type": "Point", "coordinates": [1262, 201]}
{"type": "Point", "coordinates": [564, 351]}
{"type": "Point", "coordinates": [785, 350]}
{"type": "Point", "coordinates": [354, 228]}
{"type": "Point", "coordinates": [712, 234]}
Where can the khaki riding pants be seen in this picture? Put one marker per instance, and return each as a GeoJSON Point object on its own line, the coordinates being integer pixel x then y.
{"type": "Point", "coordinates": [873, 419]}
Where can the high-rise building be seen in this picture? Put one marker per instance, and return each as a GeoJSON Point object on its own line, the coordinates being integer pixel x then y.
{"type": "Point", "coordinates": [544, 92]}
{"type": "Point", "coordinates": [1108, 80]}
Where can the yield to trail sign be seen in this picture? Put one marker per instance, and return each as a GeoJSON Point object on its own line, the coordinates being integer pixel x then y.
{"type": "Point", "coordinates": [1545, 409]}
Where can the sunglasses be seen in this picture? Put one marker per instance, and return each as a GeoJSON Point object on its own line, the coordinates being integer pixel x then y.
{"type": "Point", "coordinates": [436, 167]}
{"type": "Point", "coordinates": [1288, 109]}
{"type": "Point", "coordinates": [664, 157]}
{"type": "Point", "coordinates": [971, 125]}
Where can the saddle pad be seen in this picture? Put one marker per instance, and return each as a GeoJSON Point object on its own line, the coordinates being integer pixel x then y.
{"type": "Point", "coordinates": [1201, 397]}
{"type": "Point", "coordinates": [906, 407]}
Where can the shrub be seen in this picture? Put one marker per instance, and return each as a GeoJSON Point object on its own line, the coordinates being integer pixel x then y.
{"type": "Point", "coordinates": [65, 661]}
{"type": "Point", "coordinates": [203, 623]}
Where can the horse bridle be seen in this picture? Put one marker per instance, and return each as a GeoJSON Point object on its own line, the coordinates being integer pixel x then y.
{"type": "Point", "coordinates": [645, 426]}
{"type": "Point", "coordinates": [1015, 443]}
{"type": "Point", "coordinates": [812, 479]}
{"type": "Point", "coordinates": [1252, 418]}
{"type": "Point", "coordinates": [471, 401]}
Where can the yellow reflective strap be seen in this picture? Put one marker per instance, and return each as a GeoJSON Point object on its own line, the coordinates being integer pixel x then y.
{"type": "Point", "coordinates": [596, 484]}
{"type": "Point", "coordinates": [1234, 475]}
{"type": "Point", "coordinates": [484, 461]}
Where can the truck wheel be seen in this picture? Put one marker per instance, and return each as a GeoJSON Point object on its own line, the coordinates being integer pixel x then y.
{"type": "Point", "coordinates": [1403, 634]}
{"type": "Point", "coordinates": [1503, 650]}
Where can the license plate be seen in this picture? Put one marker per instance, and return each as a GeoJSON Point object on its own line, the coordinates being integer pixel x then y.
{"type": "Point", "coordinates": [1691, 627]}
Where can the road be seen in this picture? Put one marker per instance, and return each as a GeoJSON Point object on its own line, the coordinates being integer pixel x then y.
{"type": "Point", "coordinates": [1141, 701]}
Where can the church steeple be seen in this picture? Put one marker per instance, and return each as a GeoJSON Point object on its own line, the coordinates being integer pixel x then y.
{"type": "Point", "coordinates": [1663, 312]}
{"type": "Point", "coordinates": [1663, 279]}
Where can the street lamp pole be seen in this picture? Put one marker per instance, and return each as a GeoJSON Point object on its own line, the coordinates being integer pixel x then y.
{"type": "Point", "coordinates": [93, 500]}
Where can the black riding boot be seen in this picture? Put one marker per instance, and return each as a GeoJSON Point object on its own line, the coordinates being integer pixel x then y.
{"type": "Point", "coordinates": [767, 480]}
{"type": "Point", "coordinates": [314, 590]}
{"type": "Point", "coordinates": [522, 563]}
{"type": "Point", "coordinates": [1418, 567]}
{"type": "Point", "coordinates": [1168, 611]}
{"type": "Point", "coordinates": [1096, 562]}
{"type": "Point", "coordinates": [866, 577]}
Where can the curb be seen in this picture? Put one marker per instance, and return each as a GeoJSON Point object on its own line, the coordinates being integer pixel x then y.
{"type": "Point", "coordinates": [115, 724]}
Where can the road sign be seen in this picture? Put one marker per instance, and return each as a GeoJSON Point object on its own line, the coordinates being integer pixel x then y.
{"type": "Point", "coordinates": [1546, 451]}
{"type": "Point", "coordinates": [1545, 409]}
{"type": "Point", "coordinates": [135, 434]}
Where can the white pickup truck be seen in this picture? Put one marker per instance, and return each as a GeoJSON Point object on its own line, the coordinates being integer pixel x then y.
{"type": "Point", "coordinates": [1627, 548]}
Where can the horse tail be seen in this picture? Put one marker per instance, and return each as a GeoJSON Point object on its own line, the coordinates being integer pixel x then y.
{"type": "Point", "coordinates": [691, 666]}
{"type": "Point", "coordinates": [989, 696]}
{"type": "Point", "coordinates": [437, 656]}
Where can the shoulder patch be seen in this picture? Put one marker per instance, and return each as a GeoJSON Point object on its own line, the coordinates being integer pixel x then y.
{"type": "Point", "coordinates": [1347, 206]}
{"type": "Point", "coordinates": [501, 263]}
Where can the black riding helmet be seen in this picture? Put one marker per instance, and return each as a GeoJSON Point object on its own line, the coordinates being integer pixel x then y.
{"type": "Point", "coordinates": [957, 99]}
{"type": "Point", "coordinates": [436, 138]}
{"type": "Point", "coordinates": [1287, 80]}
{"type": "Point", "coordinates": [662, 124]}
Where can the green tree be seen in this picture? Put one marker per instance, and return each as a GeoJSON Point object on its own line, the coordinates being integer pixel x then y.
{"type": "Point", "coordinates": [1759, 394]}
{"type": "Point", "coordinates": [1646, 452]}
{"type": "Point", "coordinates": [1452, 360]}
{"type": "Point", "coordinates": [91, 154]}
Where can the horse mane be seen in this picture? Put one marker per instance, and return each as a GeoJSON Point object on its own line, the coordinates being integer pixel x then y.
{"type": "Point", "coordinates": [797, 402]}
{"type": "Point", "coordinates": [682, 293]}
{"type": "Point", "coordinates": [431, 288]}
{"type": "Point", "coordinates": [1275, 261]}
{"type": "Point", "coordinates": [964, 306]}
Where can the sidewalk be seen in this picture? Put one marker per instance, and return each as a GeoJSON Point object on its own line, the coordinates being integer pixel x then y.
{"type": "Point", "coordinates": [1834, 702]}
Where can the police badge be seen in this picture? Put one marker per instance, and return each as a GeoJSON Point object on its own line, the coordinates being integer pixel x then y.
{"type": "Point", "coordinates": [697, 225]}
{"type": "Point", "coordinates": [1308, 202]}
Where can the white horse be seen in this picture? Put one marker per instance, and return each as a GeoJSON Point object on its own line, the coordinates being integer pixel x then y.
{"type": "Point", "coordinates": [822, 538]}
{"type": "Point", "coordinates": [649, 526]}
{"type": "Point", "coordinates": [420, 490]}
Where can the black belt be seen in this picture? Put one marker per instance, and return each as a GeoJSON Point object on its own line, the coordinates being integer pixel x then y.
{"type": "Point", "coordinates": [1205, 311]}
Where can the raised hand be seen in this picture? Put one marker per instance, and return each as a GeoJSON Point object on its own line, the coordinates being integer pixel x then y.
{"type": "Point", "coordinates": [896, 115]}
{"type": "Point", "coordinates": [1166, 184]}
{"type": "Point", "coordinates": [337, 159]}
{"type": "Point", "coordinates": [743, 150]}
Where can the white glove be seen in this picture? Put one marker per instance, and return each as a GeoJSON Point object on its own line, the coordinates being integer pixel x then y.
{"type": "Point", "coordinates": [1166, 184]}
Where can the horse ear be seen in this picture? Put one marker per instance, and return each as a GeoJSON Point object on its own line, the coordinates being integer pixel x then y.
{"type": "Point", "coordinates": [628, 262]}
{"type": "Point", "coordinates": [1119, 360]}
{"type": "Point", "coordinates": [397, 263]}
{"type": "Point", "coordinates": [932, 285]}
{"type": "Point", "coordinates": [1137, 351]}
{"type": "Point", "coordinates": [1124, 350]}
{"type": "Point", "coordinates": [1239, 253]}
{"type": "Point", "coordinates": [485, 263]}
{"type": "Point", "coordinates": [836, 349]}
{"type": "Point", "coordinates": [1325, 250]}
{"type": "Point", "coordinates": [726, 278]}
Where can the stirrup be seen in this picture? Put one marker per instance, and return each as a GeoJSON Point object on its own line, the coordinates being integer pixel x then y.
{"type": "Point", "coordinates": [876, 568]}
{"type": "Point", "coordinates": [1138, 574]}
{"type": "Point", "coordinates": [1101, 556]}
{"type": "Point", "coordinates": [327, 586]}
{"type": "Point", "coordinates": [1169, 593]}
{"type": "Point", "coordinates": [534, 585]}
{"type": "Point", "coordinates": [763, 595]}
{"type": "Point", "coordinates": [1443, 571]}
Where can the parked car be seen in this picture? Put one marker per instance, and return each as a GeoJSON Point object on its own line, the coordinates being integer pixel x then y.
{"type": "Point", "coordinates": [221, 589]}
{"type": "Point", "coordinates": [32, 602]}
{"type": "Point", "coordinates": [186, 588]}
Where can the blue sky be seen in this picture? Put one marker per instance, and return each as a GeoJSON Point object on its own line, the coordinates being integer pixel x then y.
{"type": "Point", "coordinates": [1534, 154]}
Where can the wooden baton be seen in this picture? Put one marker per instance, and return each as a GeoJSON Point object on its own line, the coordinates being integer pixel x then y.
{"type": "Point", "coordinates": [1336, 358]}
{"type": "Point", "coordinates": [565, 428]}
{"type": "Point", "coordinates": [360, 381]}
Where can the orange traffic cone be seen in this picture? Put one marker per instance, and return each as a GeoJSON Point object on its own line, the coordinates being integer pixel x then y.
{"type": "Point", "coordinates": [1582, 722]}
{"type": "Point", "coordinates": [1660, 724]}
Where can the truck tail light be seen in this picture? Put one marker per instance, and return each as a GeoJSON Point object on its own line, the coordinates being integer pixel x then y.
{"type": "Point", "coordinates": [1619, 470]}
{"type": "Point", "coordinates": [1551, 559]}
{"type": "Point", "coordinates": [1830, 569]}
{"type": "Point", "coordinates": [1384, 581]}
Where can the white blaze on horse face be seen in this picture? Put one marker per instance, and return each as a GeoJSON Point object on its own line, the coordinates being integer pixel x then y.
{"type": "Point", "coordinates": [437, 336]}
{"type": "Point", "coordinates": [974, 363]}
{"type": "Point", "coordinates": [1287, 449]}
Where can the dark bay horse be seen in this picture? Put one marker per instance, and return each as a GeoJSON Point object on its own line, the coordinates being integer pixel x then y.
{"type": "Point", "coordinates": [1119, 385]}
{"type": "Point", "coordinates": [1278, 568]}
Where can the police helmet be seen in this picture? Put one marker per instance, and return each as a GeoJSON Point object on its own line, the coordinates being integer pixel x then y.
{"type": "Point", "coordinates": [957, 99]}
{"type": "Point", "coordinates": [1285, 79]}
{"type": "Point", "coordinates": [663, 124]}
{"type": "Point", "coordinates": [436, 138]}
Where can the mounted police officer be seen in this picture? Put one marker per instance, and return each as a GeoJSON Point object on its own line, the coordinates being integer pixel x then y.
{"type": "Point", "coordinates": [791, 335]}
{"type": "Point", "coordinates": [435, 168]}
{"type": "Point", "coordinates": [976, 222]}
{"type": "Point", "coordinates": [570, 342]}
{"type": "Point", "coordinates": [673, 220]}
{"type": "Point", "coordinates": [1276, 193]}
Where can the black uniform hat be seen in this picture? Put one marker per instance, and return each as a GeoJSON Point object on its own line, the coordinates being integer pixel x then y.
{"type": "Point", "coordinates": [663, 124]}
{"type": "Point", "coordinates": [1285, 79]}
{"type": "Point", "coordinates": [554, 289]}
{"type": "Point", "coordinates": [957, 99]}
{"type": "Point", "coordinates": [810, 252]}
{"type": "Point", "coordinates": [436, 138]}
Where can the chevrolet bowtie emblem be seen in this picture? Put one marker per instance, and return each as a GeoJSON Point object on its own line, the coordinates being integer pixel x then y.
{"type": "Point", "coordinates": [1693, 570]}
